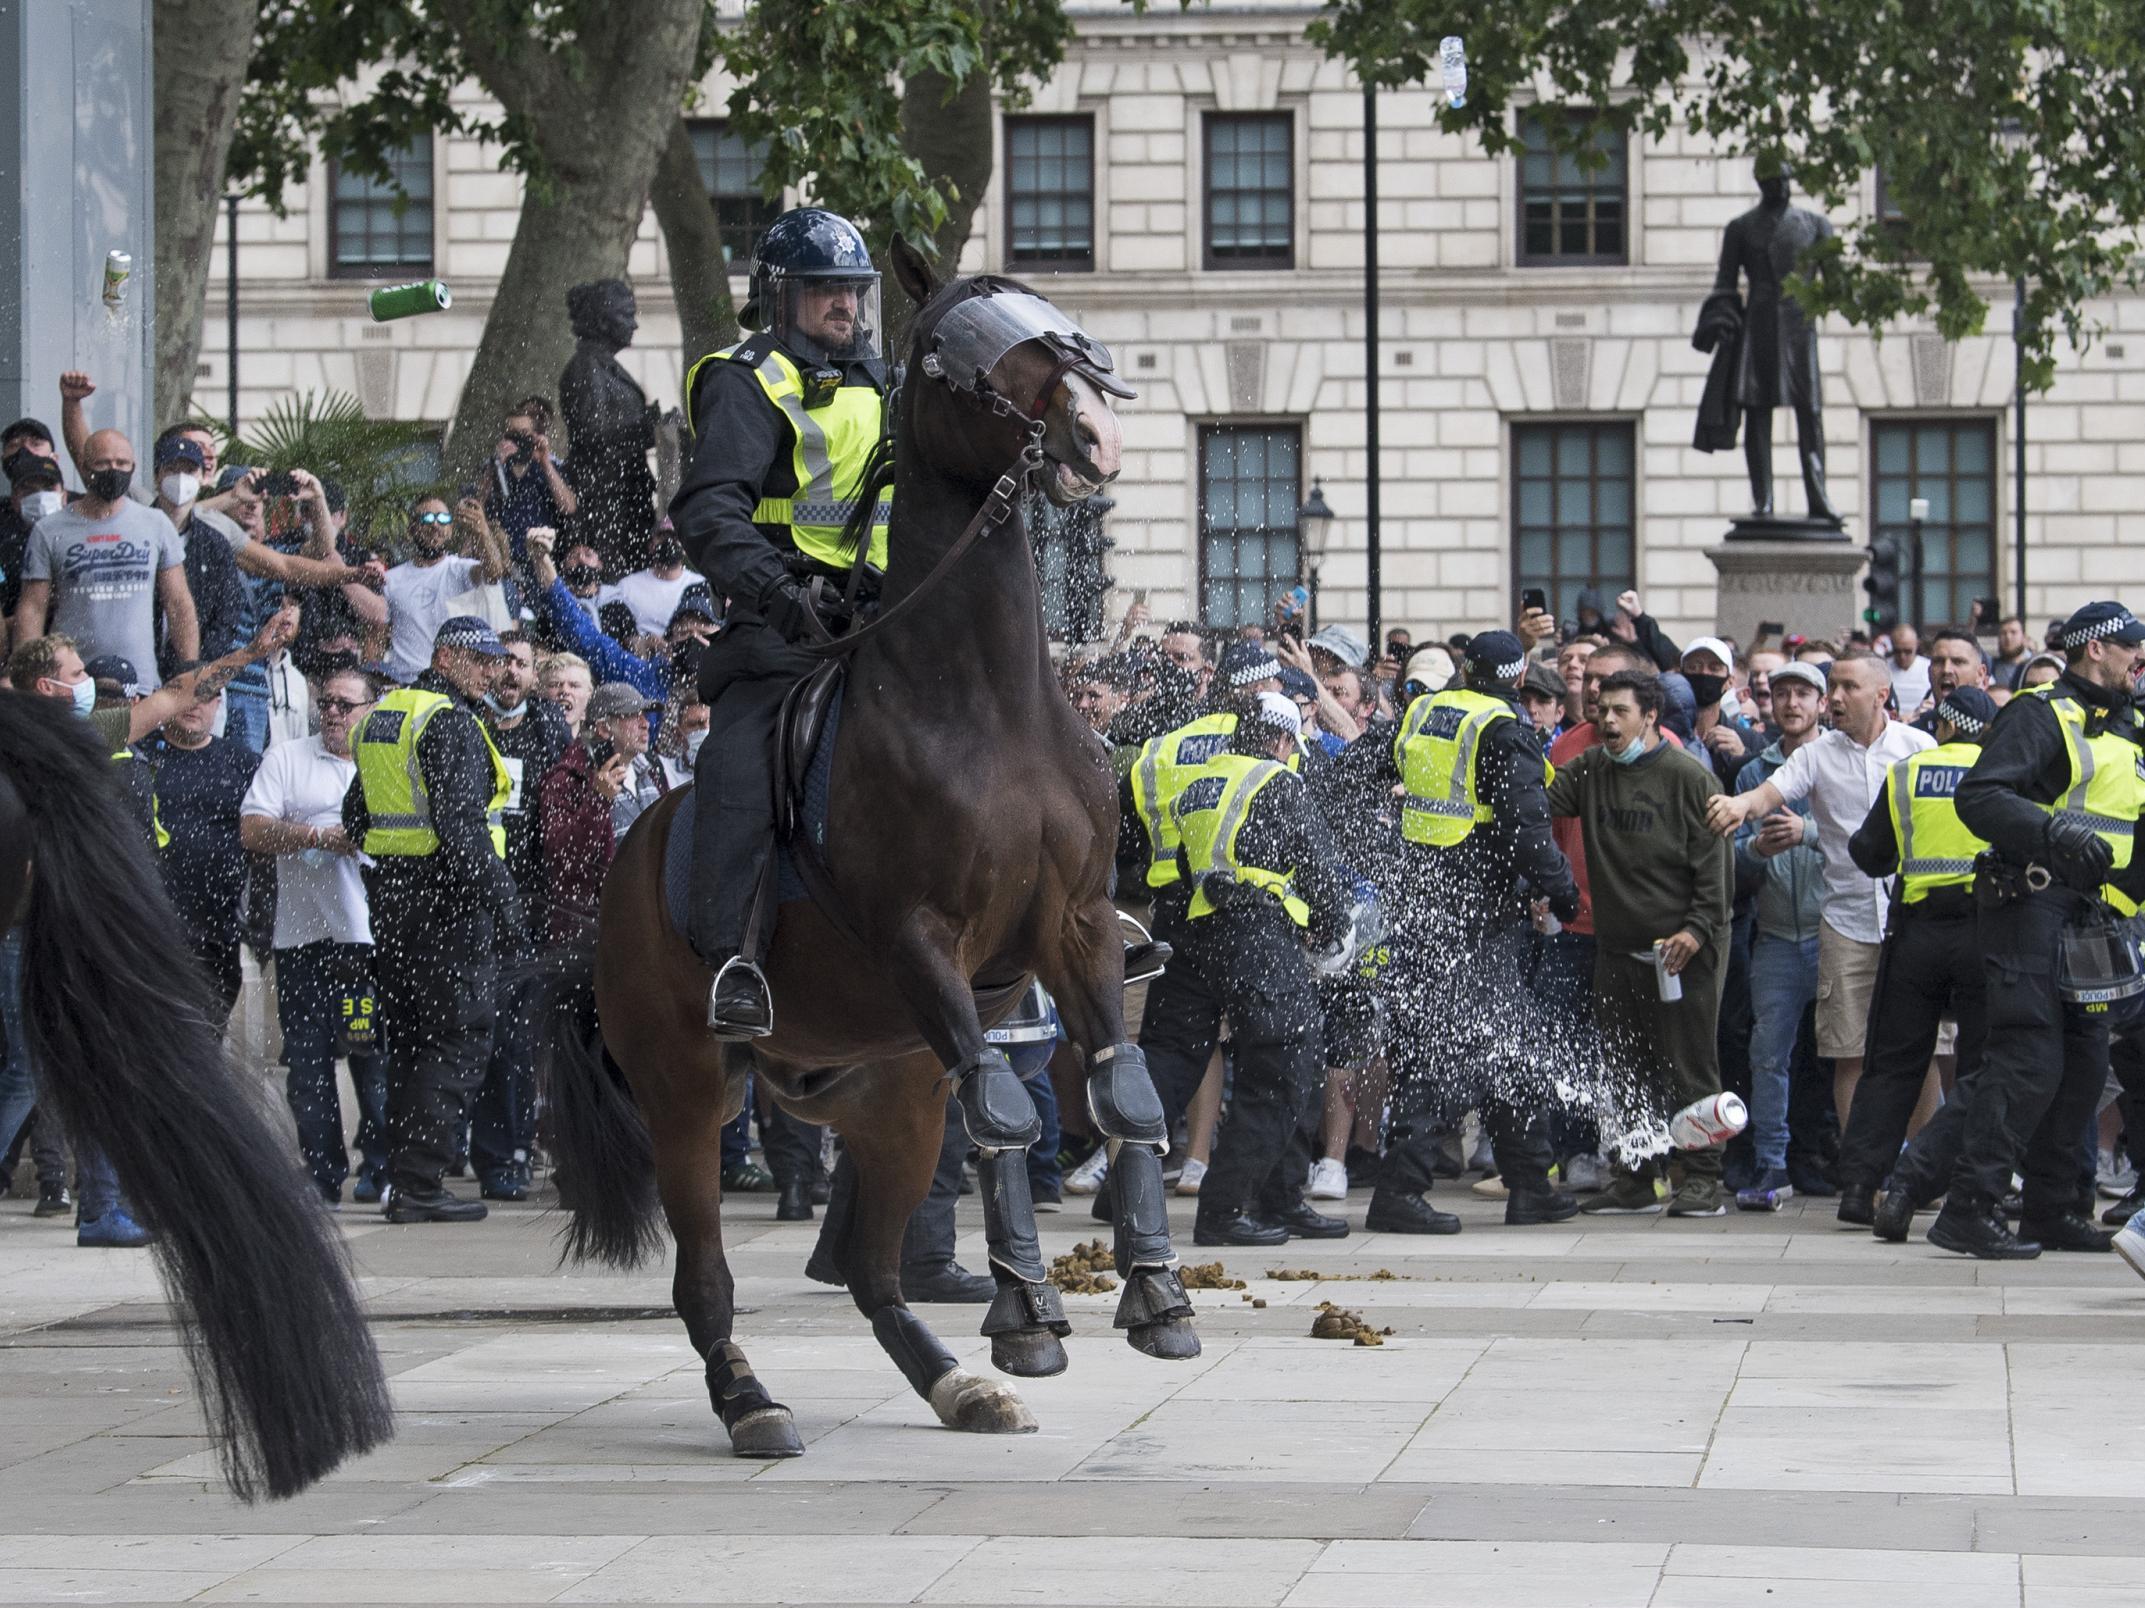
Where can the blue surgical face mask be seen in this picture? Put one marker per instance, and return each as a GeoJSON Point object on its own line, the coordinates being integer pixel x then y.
{"type": "Point", "coordinates": [505, 710]}
{"type": "Point", "coordinates": [85, 697]}
{"type": "Point", "coordinates": [1630, 752]}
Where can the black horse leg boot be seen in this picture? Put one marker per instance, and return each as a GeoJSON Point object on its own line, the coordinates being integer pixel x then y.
{"type": "Point", "coordinates": [1026, 1319]}
{"type": "Point", "coordinates": [1121, 1099]}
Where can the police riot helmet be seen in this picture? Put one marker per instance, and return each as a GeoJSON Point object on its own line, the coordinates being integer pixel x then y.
{"type": "Point", "coordinates": [814, 287]}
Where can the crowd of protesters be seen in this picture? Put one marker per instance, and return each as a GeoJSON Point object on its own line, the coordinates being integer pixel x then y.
{"type": "Point", "coordinates": [230, 636]}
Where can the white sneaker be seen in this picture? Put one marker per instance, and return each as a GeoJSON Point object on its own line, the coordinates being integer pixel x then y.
{"type": "Point", "coordinates": [2130, 1243]}
{"type": "Point", "coordinates": [1086, 1178]}
{"type": "Point", "coordinates": [1188, 1180]}
{"type": "Point", "coordinates": [1329, 1179]}
{"type": "Point", "coordinates": [2115, 1177]}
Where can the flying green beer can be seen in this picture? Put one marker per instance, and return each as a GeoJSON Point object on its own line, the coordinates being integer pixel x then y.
{"type": "Point", "coordinates": [407, 301]}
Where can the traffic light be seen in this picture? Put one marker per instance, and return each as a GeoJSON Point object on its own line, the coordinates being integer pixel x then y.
{"type": "Point", "coordinates": [1886, 560]}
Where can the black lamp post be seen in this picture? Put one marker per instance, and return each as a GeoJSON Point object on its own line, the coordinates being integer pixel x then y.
{"type": "Point", "coordinates": [1313, 520]}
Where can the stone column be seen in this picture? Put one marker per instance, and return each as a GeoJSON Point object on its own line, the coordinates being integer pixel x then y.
{"type": "Point", "coordinates": [1796, 572]}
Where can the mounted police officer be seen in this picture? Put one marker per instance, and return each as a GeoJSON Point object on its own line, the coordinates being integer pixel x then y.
{"type": "Point", "coordinates": [784, 424]}
{"type": "Point", "coordinates": [1930, 966]}
{"type": "Point", "coordinates": [1475, 820]}
{"type": "Point", "coordinates": [1259, 874]}
{"type": "Point", "coordinates": [427, 805]}
{"type": "Point", "coordinates": [2057, 793]}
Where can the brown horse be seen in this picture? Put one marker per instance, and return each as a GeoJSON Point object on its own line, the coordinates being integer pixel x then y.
{"type": "Point", "coordinates": [118, 1021]}
{"type": "Point", "coordinates": [969, 841]}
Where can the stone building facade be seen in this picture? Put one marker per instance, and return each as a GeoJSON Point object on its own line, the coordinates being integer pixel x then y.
{"type": "Point", "coordinates": [1191, 186]}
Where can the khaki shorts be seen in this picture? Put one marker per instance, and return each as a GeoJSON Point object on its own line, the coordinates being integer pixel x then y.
{"type": "Point", "coordinates": [1846, 983]}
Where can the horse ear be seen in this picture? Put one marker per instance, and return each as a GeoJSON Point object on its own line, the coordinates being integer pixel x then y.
{"type": "Point", "coordinates": [912, 271]}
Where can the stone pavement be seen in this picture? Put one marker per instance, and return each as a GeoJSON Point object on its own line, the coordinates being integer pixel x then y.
{"type": "Point", "coordinates": [1757, 1410]}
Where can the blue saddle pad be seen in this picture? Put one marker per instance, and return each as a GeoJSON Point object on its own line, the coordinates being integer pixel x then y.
{"type": "Point", "coordinates": [678, 851]}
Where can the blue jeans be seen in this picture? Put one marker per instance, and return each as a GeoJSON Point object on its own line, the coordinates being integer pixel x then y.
{"type": "Point", "coordinates": [309, 989]}
{"type": "Point", "coordinates": [18, 1091]}
{"type": "Point", "coordinates": [1783, 982]}
{"type": "Point", "coordinates": [1032, 1063]}
{"type": "Point", "coordinates": [502, 1118]}
{"type": "Point", "coordinates": [245, 715]}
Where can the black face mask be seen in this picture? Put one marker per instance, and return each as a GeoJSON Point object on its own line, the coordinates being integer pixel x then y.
{"type": "Point", "coordinates": [668, 553]}
{"type": "Point", "coordinates": [685, 661]}
{"type": "Point", "coordinates": [582, 575]}
{"type": "Point", "coordinates": [109, 485]}
{"type": "Point", "coordinates": [1706, 689]}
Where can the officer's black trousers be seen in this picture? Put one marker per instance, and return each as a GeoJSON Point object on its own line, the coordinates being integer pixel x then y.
{"type": "Point", "coordinates": [2043, 1063]}
{"type": "Point", "coordinates": [745, 674]}
{"type": "Point", "coordinates": [1247, 963]}
{"type": "Point", "coordinates": [437, 973]}
{"type": "Point", "coordinates": [1929, 968]}
{"type": "Point", "coordinates": [1466, 1035]}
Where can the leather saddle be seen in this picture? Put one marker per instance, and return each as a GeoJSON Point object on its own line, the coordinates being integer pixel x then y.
{"type": "Point", "coordinates": [799, 725]}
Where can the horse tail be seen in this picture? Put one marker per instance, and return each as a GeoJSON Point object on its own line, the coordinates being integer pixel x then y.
{"type": "Point", "coordinates": [118, 1015]}
{"type": "Point", "coordinates": [606, 1161]}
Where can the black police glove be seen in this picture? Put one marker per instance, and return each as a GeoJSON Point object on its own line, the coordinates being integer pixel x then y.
{"type": "Point", "coordinates": [788, 608]}
{"type": "Point", "coordinates": [2077, 854]}
{"type": "Point", "coordinates": [1565, 906]}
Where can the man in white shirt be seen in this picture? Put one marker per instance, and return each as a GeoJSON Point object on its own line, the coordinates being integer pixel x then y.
{"type": "Point", "coordinates": [323, 933]}
{"type": "Point", "coordinates": [425, 593]}
{"type": "Point", "coordinates": [1840, 773]}
{"type": "Point", "coordinates": [1909, 670]}
{"type": "Point", "coordinates": [654, 593]}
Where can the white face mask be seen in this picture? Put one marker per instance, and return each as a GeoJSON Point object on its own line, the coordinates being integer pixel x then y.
{"type": "Point", "coordinates": [40, 503]}
{"type": "Point", "coordinates": [179, 490]}
{"type": "Point", "coordinates": [693, 740]}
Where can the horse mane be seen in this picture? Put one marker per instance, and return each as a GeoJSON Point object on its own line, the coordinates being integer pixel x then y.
{"type": "Point", "coordinates": [119, 1019]}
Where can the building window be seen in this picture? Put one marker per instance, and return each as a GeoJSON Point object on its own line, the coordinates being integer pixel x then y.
{"type": "Point", "coordinates": [730, 171]}
{"type": "Point", "coordinates": [1570, 214]}
{"type": "Point", "coordinates": [1050, 193]}
{"type": "Point", "coordinates": [1251, 180]}
{"type": "Point", "coordinates": [1572, 511]}
{"type": "Point", "coordinates": [1952, 462]}
{"type": "Point", "coordinates": [382, 229]}
{"type": "Point", "coordinates": [1250, 485]}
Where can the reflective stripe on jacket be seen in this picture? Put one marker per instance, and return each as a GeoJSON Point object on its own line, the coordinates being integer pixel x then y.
{"type": "Point", "coordinates": [1210, 811]}
{"type": "Point", "coordinates": [1936, 848]}
{"type": "Point", "coordinates": [396, 801]}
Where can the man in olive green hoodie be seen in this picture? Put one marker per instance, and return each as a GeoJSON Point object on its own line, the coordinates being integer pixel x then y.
{"type": "Point", "coordinates": [1661, 881]}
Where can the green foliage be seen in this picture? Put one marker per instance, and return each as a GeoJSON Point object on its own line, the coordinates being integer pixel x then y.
{"type": "Point", "coordinates": [2009, 132]}
{"type": "Point", "coordinates": [380, 463]}
{"type": "Point", "coordinates": [820, 82]}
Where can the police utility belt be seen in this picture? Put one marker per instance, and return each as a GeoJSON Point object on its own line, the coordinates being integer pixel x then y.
{"type": "Point", "coordinates": [2000, 882]}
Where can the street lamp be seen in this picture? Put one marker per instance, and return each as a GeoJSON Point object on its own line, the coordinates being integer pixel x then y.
{"type": "Point", "coordinates": [1917, 511]}
{"type": "Point", "coordinates": [1313, 520]}
{"type": "Point", "coordinates": [2012, 132]}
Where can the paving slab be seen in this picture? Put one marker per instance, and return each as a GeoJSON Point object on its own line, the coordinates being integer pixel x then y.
{"type": "Point", "coordinates": [1762, 1410]}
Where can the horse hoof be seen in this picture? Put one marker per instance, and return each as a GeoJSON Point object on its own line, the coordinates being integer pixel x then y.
{"type": "Point", "coordinates": [980, 1406]}
{"type": "Point", "coordinates": [766, 1432]}
{"type": "Point", "coordinates": [1028, 1353]}
{"type": "Point", "coordinates": [1172, 1340]}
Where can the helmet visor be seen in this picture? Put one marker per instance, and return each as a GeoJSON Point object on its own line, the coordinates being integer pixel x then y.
{"type": "Point", "coordinates": [835, 318]}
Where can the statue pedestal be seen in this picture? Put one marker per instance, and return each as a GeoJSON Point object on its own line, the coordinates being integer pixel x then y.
{"type": "Point", "coordinates": [1798, 572]}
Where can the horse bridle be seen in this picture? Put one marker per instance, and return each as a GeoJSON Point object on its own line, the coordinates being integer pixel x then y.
{"type": "Point", "coordinates": [956, 361]}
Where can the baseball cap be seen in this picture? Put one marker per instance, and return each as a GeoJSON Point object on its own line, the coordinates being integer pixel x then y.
{"type": "Point", "coordinates": [180, 449]}
{"type": "Point", "coordinates": [25, 467]}
{"type": "Point", "coordinates": [1246, 662]}
{"type": "Point", "coordinates": [1298, 684]}
{"type": "Point", "coordinates": [1430, 668]}
{"type": "Point", "coordinates": [1496, 653]}
{"type": "Point", "coordinates": [1713, 645]}
{"type": "Point", "coordinates": [2101, 622]}
{"type": "Point", "coordinates": [695, 606]}
{"type": "Point", "coordinates": [615, 698]}
{"type": "Point", "coordinates": [111, 667]}
{"type": "Point", "coordinates": [1969, 709]}
{"type": "Point", "coordinates": [467, 631]}
{"type": "Point", "coordinates": [1797, 670]}
{"type": "Point", "coordinates": [1343, 644]}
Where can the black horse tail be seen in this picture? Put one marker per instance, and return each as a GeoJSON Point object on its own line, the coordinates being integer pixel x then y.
{"type": "Point", "coordinates": [117, 1015]}
{"type": "Point", "coordinates": [605, 1159]}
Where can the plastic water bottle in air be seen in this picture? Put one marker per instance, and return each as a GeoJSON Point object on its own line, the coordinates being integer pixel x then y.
{"type": "Point", "coordinates": [1711, 1121]}
{"type": "Point", "coordinates": [1452, 63]}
